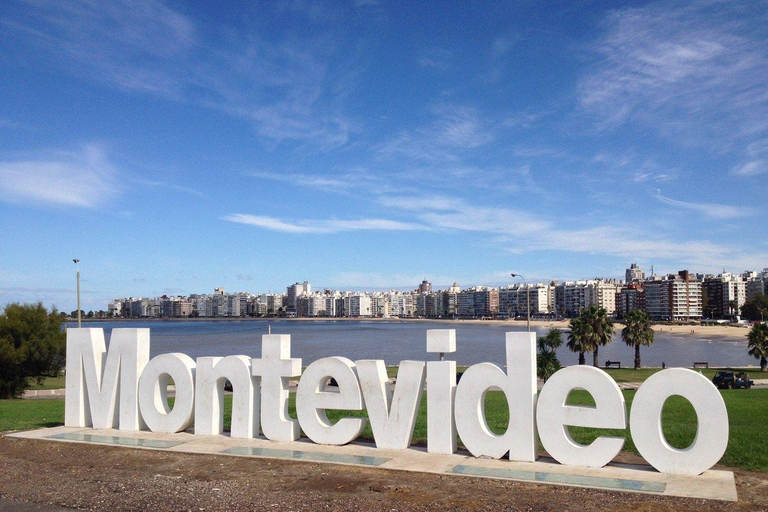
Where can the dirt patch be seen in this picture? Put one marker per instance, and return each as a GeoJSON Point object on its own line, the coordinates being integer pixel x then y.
{"type": "Point", "coordinates": [92, 477]}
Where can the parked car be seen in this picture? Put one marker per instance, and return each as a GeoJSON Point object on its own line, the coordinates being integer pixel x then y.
{"type": "Point", "coordinates": [732, 380]}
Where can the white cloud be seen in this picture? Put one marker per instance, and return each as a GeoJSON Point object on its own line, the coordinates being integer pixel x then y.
{"type": "Point", "coordinates": [321, 226]}
{"type": "Point", "coordinates": [752, 168]}
{"type": "Point", "coordinates": [339, 183]}
{"type": "Point", "coordinates": [521, 231]}
{"type": "Point", "coordinates": [712, 210]}
{"type": "Point", "coordinates": [85, 179]}
{"type": "Point", "coordinates": [692, 69]}
{"type": "Point", "coordinates": [453, 131]}
{"type": "Point", "coordinates": [289, 88]}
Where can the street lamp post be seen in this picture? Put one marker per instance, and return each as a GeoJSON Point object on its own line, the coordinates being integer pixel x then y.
{"type": "Point", "coordinates": [527, 300]}
{"type": "Point", "coordinates": [79, 320]}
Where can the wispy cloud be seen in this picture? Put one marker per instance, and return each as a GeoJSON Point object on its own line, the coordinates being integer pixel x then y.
{"type": "Point", "coordinates": [321, 226]}
{"type": "Point", "coordinates": [695, 70]}
{"type": "Point", "coordinates": [522, 231]}
{"type": "Point", "coordinates": [712, 210]}
{"type": "Point", "coordinates": [752, 168]}
{"type": "Point", "coordinates": [288, 87]}
{"type": "Point", "coordinates": [454, 130]}
{"type": "Point", "coordinates": [339, 183]}
{"type": "Point", "coordinates": [436, 58]}
{"type": "Point", "coordinates": [84, 179]}
{"type": "Point", "coordinates": [170, 186]}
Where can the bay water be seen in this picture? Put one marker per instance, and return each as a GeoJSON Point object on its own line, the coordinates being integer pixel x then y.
{"type": "Point", "coordinates": [396, 341]}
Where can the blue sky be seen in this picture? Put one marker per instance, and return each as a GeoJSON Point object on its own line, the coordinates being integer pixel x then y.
{"type": "Point", "coordinates": [176, 147]}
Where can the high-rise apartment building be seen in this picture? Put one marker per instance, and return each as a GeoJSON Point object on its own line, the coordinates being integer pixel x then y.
{"type": "Point", "coordinates": [630, 298]}
{"type": "Point", "coordinates": [726, 294]}
{"type": "Point", "coordinates": [675, 297]}
{"type": "Point", "coordinates": [634, 274]}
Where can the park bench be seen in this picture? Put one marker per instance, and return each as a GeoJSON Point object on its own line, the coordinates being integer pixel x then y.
{"type": "Point", "coordinates": [701, 364]}
{"type": "Point", "coordinates": [613, 364]}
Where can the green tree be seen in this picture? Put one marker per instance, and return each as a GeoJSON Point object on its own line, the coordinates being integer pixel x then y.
{"type": "Point", "coordinates": [756, 308]}
{"type": "Point", "coordinates": [577, 341]}
{"type": "Point", "coordinates": [758, 343]}
{"type": "Point", "coordinates": [733, 305]}
{"type": "Point", "coordinates": [598, 329]}
{"type": "Point", "coordinates": [638, 331]}
{"type": "Point", "coordinates": [32, 344]}
{"type": "Point", "coordinates": [546, 359]}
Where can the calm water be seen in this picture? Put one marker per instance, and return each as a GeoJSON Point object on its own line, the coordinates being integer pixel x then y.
{"type": "Point", "coordinates": [396, 341]}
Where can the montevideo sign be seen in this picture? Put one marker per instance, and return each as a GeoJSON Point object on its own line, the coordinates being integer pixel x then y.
{"type": "Point", "coordinates": [123, 388]}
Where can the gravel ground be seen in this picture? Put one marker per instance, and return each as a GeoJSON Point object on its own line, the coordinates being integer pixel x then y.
{"type": "Point", "coordinates": [92, 477]}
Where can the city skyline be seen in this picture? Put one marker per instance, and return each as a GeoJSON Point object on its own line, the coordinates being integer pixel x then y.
{"type": "Point", "coordinates": [175, 147]}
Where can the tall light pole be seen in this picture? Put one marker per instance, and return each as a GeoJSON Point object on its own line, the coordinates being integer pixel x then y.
{"type": "Point", "coordinates": [79, 320]}
{"type": "Point", "coordinates": [527, 300]}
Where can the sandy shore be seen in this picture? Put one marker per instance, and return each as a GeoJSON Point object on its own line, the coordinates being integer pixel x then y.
{"type": "Point", "coordinates": [682, 330]}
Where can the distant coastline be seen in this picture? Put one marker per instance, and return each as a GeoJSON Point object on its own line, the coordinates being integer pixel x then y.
{"type": "Point", "coordinates": [682, 330]}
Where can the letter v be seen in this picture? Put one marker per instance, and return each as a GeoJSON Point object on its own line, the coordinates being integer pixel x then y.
{"type": "Point", "coordinates": [392, 415]}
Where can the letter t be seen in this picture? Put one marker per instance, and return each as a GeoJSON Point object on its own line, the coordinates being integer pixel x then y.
{"type": "Point", "coordinates": [275, 369]}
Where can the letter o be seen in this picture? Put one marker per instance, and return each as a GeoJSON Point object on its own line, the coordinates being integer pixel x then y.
{"type": "Point", "coordinates": [153, 393]}
{"type": "Point", "coordinates": [645, 422]}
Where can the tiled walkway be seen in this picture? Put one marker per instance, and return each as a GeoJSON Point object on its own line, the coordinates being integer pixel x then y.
{"type": "Point", "coordinates": [712, 484]}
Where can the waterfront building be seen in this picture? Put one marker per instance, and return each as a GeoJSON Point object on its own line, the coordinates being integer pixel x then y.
{"type": "Point", "coordinates": [274, 304]}
{"type": "Point", "coordinates": [634, 274]}
{"type": "Point", "coordinates": [630, 298]}
{"type": "Point", "coordinates": [450, 300]}
{"type": "Point", "coordinates": [513, 299]}
{"type": "Point", "coordinates": [677, 297]}
{"type": "Point", "coordinates": [380, 306]}
{"type": "Point", "coordinates": [726, 293]}
{"type": "Point", "coordinates": [115, 308]}
{"type": "Point", "coordinates": [757, 285]}
{"type": "Point", "coordinates": [293, 292]}
{"type": "Point", "coordinates": [478, 301]}
{"type": "Point", "coordinates": [357, 305]}
{"type": "Point", "coordinates": [571, 297]}
{"type": "Point", "coordinates": [603, 293]}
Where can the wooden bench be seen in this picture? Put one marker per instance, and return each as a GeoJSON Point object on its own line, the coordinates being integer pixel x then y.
{"type": "Point", "coordinates": [701, 364]}
{"type": "Point", "coordinates": [613, 364]}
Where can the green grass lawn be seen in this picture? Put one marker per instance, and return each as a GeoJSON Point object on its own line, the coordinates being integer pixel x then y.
{"type": "Point", "coordinates": [28, 414]}
{"type": "Point", "coordinates": [632, 375]}
{"type": "Point", "coordinates": [747, 412]}
{"type": "Point", "coordinates": [48, 383]}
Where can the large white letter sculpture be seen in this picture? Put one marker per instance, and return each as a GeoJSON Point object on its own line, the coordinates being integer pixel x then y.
{"type": "Point", "coordinates": [97, 380]}
{"type": "Point", "coordinates": [123, 388]}
{"type": "Point", "coordinates": [553, 413]}
{"type": "Point", "coordinates": [645, 422]}
{"type": "Point", "coordinates": [153, 393]}
{"type": "Point", "coordinates": [275, 369]}
{"type": "Point", "coordinates": [392, 415]}
{"type": "Point", "coordinates": [441, 392]}
{"type": "Point", "coordinates": [518, 385]}
{"type": "Point", "coordinates": [313, 399]}
{"type": "Point", "coordinates": [211, 376]}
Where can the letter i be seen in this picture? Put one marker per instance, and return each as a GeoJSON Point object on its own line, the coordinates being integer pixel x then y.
{"type": "Point", "coordinates": [441, 391]}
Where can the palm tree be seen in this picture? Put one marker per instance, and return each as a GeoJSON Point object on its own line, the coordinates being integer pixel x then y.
{"type": "Point", "coordinates": [546, 359]}
{"type": "Point", "coordinates": [758, 344]}
{"type": "Point", "coordinates": [637, 332]}
{"type": "Point", "coordinates": [577, 338]}
{"type": "Point", "coordinates": [733, 305]}
{"type": "Point", "coordinates": [598, 329]}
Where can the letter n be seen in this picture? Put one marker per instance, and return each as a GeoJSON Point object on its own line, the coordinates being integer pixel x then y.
{"type": "Point", "coordinates": [102, 386]}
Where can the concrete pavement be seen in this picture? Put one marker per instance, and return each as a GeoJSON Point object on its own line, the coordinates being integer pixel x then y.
{"type": "Point", "coordinates": [712, 484]}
